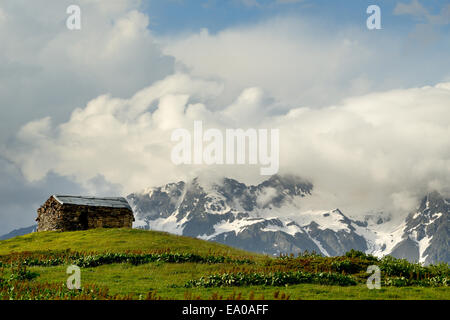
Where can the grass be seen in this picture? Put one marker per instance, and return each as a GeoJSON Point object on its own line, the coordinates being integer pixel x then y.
{"type": "Point", "coordinates": [167, 280]}
{"type": "Point", "coordinates": [114, 240]}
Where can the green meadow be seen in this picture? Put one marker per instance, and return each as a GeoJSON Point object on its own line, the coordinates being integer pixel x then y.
{"type": "Point", "coordinates": [137, 264]}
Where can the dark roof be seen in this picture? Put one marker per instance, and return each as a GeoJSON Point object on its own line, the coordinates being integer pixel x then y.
{"type": "Point", "coordinates": [117, 202]}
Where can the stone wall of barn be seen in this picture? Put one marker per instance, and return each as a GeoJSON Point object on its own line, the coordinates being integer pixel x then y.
{"type": "Point", "coordinates": [68, 217]}
{"type": "Point", "coordinates": [50, 216]}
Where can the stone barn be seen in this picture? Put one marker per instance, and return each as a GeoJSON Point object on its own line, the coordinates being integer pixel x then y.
{"type": "Point", "coordinates": [70, 213]}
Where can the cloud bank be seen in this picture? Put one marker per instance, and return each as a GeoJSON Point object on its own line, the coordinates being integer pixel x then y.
{"type": "Point", "coordinates": [45, 69]}
{"type": "Point", "coordinates": [304, 62]}
{"type": "Point", "coordinates": [376, 151]}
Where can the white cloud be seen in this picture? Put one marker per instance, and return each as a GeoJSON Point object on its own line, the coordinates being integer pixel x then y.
{"type": "Point", "coordinates": [374, 151]}
{"type": "Point", "coordinates": [380, 149]}
{"type": "Point", "coordinates": [414, 8]}
{"type": "Point", "coordinates": [288, 1]}
{"type": "Point", "coordinates": [266, 196]}
{"type": "Point", "coordinates": [262, 3]}
{"type": "Point", "coordinates": [55, 70]}
{"type": "Point", "coordinates": [417, 10]}
{"type": "Point", "coordinates": [426, 32]}
{"type": "Point", "coordinates": [47, 70]}
{"type": "Point", "coordinates": [124, 131]}
{"type": "Point", "coordinates": [301, 62]}
{"type": "Point", "coordinates": [2, 16]}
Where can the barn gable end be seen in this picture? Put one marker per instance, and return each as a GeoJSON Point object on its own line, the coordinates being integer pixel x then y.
{"type": "Point", "coordinates": [70, 213]}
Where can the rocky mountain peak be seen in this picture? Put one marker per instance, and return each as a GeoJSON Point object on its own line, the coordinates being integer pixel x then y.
{"type": "Point", "coordinates": [426, 231]}
{"type": "Point", "coordinates": [433, 202]}
{"type": "Point", "coordinates": [254, 217]}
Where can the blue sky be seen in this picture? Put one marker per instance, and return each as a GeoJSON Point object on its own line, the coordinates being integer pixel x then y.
{"type": "Point", "coordinates": [173, 16]}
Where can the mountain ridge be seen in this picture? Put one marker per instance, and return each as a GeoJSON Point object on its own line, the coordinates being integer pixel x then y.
{"type": "Point", "coordinates": [248, 217]}
{"type": "Point", "coordinates": [253, 218]}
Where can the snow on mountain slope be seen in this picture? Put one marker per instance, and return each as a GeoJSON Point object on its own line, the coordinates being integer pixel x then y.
{"type": "Point", "coordinates": [233, 210]}
{"type": "Point", "coordinates": [269, 218]}
{"type": "Point", "coordinates": [382, 235]}
{"type": "Point", "coordinates": [333, 220]}
{"type": "Point", "coordinates": [426, 232]}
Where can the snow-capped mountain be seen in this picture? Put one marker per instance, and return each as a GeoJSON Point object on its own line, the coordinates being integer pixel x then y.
{"type": "Point", "coordinates": [425, 232]}
{"type": "Point", "coordinates": [269, 218]}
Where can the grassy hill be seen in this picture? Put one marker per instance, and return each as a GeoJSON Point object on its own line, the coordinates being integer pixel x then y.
{"type": "Point", "coordinates": [114, 240]}
{"type": "Point", "coordinates": [137, 264]}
